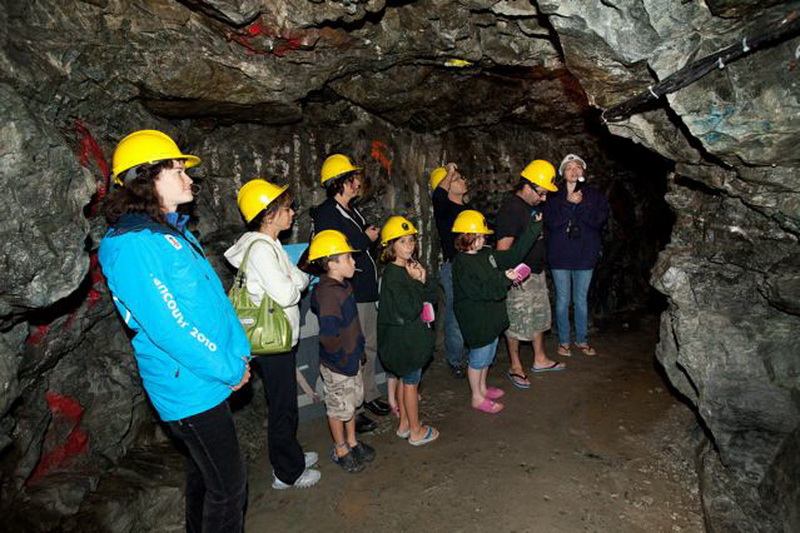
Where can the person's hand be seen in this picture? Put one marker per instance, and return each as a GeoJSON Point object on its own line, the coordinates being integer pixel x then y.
{"type": "Point", "coordinates": [245, 377]}
{"type": "Point", "coordinates": [416, 271]}
{"type": "Point", "coordinates": [411, 269]}
{"type": "Point", "coordinates": [575, 197]}
{"type": "Point", "coordinates": [372, 232]}
{"type": "Point", "coordinates": [537, 217]}
{"type": "Point", "coordinates": [510, 274]}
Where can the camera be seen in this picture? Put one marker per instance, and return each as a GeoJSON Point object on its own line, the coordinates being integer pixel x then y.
{"type": "Point", "coordinates": [579, 184]}
{"type": "Point", "coordinates": [573, 230]}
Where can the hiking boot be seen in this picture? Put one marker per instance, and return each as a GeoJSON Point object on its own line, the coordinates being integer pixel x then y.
{"type": "Point", "coordinates": [308, 478]}
{"type": "Point", "coordinates": [348, 462]}
{"type": "Point", "coordinates": [363, 452]}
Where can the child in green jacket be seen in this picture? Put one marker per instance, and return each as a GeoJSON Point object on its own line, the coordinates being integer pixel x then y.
{"type": "Point", "coordinates": [405, 341]}
{"type": "Point", "coordinates": [481, 279]}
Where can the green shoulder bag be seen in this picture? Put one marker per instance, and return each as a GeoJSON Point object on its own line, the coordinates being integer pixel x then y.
{"type": "Point", "coordinates": [267, 327]}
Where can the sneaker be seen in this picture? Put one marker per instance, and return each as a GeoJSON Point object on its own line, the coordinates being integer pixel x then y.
{"type": "Point", "coordinates": [308, 478]}
{"type": "Point", "coordinates": [363, 452]}
{"type": "Point", "coordinates": [348, 462]}
{"type": "Point", "coordinates": [310, 458]}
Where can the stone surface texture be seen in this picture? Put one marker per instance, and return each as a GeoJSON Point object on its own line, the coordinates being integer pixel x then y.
{"type": "Point", "coordinates": [269, 88]}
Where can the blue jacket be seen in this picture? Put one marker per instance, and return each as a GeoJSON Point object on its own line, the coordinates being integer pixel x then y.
{"type": "Point", "coordinates": [189, 344]}
{"type": "Point", "coordinates": [590, 215]}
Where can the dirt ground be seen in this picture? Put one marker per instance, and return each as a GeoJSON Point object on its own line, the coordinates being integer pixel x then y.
{"type": "Point", "coordinates": [602, 446]}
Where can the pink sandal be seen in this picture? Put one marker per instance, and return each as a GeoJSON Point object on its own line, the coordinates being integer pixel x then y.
{"type": "Point", "coordinates": [493, 393]}
{"type": "Point", "coordinates": [489, 406]}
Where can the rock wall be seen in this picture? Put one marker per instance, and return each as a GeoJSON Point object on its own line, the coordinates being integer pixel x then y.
{"type": "Point", "coordinates": [730, 270]}
{"type": "Point", "coordinates": [270, 88]}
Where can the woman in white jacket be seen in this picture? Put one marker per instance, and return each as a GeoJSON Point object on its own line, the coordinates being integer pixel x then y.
{"type": "Point", "coordinates": [267, 209]}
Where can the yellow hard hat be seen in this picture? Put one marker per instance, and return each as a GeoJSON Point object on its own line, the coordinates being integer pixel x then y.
{"type": "Point", "coordinates": [541, 173]}
{"type": "Point", "coordinates": [395, 227]}
{"type": "Point", "coordinates": [470, 221]}
{"type": "Point", "coordinates": [334, 166]}
{"type": "Point", "coordinates": [146, 146]}
{"type": "Point", "coordinates": [328, 242]}
{"type": "Point", "coordinates": [437, 175]}
{"type": "Point", "coordinates": [256, 195]}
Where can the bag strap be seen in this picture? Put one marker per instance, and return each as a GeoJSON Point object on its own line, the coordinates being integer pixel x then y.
{"type": "Point", "coordinates": [241, 274]}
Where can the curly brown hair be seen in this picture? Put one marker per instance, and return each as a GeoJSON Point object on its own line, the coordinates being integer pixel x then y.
{"type": "Point", "coordinates": [139, 194]}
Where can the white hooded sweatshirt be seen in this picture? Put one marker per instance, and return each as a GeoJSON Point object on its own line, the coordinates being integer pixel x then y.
{"type": "Point", "coordinates": [269, 270]}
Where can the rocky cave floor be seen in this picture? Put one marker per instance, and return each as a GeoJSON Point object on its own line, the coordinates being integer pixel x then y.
{"type": "Point", "coordinates": [603, 446]}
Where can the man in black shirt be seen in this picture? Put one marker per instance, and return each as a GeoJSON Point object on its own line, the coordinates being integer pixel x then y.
{"type": "Point", "coordinates": [449, 189]}
{"type": "Point", "coordinates": [528, 303]}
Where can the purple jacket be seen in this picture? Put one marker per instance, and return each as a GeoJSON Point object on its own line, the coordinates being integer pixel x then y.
{"type": "Point", "coordinates": [590, 216]}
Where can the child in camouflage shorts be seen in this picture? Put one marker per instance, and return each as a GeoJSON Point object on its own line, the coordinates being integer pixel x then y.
{"type": "Point", "coordinates": [341, 347]}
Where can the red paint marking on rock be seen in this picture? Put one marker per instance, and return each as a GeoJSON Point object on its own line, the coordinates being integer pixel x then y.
{"type": "Point", "coordinates": [37, 336]}
{"type": "Point", "coordinates": [89, 148]}
{"type": "Point", "coordinates": [64, 409]}
{"type": "Point", "coordinates": [378, 152]}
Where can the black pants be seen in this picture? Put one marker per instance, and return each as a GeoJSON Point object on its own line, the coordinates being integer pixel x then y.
{"type": "Point", "coordinates": [279, 374]}
{"type": "Point", "coordinates": [216, 480]}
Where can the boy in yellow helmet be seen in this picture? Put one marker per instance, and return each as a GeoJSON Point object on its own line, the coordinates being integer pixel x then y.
{"type": "Point", "coordinates": [341, 346]}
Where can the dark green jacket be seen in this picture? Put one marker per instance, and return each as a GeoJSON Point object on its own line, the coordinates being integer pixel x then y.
{"type": "Point", "coordinates": [480, 287]}
{"type": "Point", "coordinates": [405, 343]}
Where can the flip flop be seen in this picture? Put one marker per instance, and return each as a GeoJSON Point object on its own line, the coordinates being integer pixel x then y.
{"type": "Point", "coordinates": [430, 435]}
{"type": "Point", "coordinates": [493, 393]}
{"type": "Point", "coordinates": [489, 406]}
{"type": "Point", "coordinates": [513, 377]}
{"type": "Point", "coordinates": [586, 349]}
{"type": "Point", "coordinates": [403, 434]}
{"type": "Point", "coordinates": [555, 367]}
{"type": "Point", "coordinates": [563, 350]}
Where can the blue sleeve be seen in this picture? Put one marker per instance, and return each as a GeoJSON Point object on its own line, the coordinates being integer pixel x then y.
{"type": "Point", "coordinates": [169, 300]}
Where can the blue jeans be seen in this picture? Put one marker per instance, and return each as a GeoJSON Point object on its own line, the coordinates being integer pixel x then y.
{"type": "Point", "coordinates": [453, 341]}
{"type": "Point", "coordinates": [574, 285]}
{"type": "Point", "coordinates": [482, 357]}
{"type": "Point", "coordinates": [412, 378]}
{"type": "Point", "coordinates": [216, 480]}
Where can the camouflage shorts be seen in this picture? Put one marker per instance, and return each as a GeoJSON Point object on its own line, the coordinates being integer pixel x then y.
{"type": "Point", "coordinates": [342, 393]}
{"type": "Point", "coordinates": [528, 307]}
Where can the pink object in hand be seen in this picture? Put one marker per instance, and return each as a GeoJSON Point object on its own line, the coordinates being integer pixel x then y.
{"type": "Point", "coordinates": [427, 315]}
{"type": "Point", "coordinates": [523, 271]}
